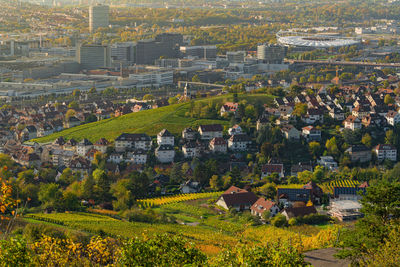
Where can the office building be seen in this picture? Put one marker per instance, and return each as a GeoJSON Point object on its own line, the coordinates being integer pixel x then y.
{"type": "Point", "coordinates": [202, 52]}
{"type": "Point", "coordinates": [155, 78]}
{"type": "Point", "coordinates": [165, 45]}
{"type": "Point", "coordinates": [271, 54]}
{"type": "Point", "coordinates": [93, 56]}
{"type": "Point", "coordinates": [98, 17]}
{"type": "Point", "coordinates": [235, 57]}
{"type": "Point", "coordinates": [123, 53]}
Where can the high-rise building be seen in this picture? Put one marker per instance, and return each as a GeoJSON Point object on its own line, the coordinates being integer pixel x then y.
{"type": "Point", "coordinates": [93, 56]}
{"type": "Point", "coordinates": [271, 54]}
{"type": "Point", "coordinates": [98, 17]}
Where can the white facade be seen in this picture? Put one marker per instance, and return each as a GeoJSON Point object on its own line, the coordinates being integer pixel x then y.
{"type": "Point", "coordinates": [153, 78]}
{"type": "Point", "coordinates": [386, 152]}
{"type": "Point", "coordinates": [165, 153]}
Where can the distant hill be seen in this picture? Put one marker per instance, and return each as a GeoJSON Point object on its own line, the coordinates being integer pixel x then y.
{"type": "Point", "coordinates": [150, 121]}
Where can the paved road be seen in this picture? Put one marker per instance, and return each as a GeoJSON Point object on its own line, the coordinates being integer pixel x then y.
{"type": "Point", "coordinates": [325, 258]}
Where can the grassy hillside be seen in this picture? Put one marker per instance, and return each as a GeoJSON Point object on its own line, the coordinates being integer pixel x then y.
{"type": "Point", "coordinates": [149, 121]}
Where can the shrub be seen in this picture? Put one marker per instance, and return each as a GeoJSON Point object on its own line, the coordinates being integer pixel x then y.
{"type": "Point", "coordinates": [279, 221]}
{"type": "Point", "coordinates": [14, 252]}
{"type": "Point", "coordinates": [161, 250]}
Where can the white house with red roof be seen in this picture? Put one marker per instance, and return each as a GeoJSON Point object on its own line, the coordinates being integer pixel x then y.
{"type": "Point", "coordinates": [262, 206]}
{"type": "Point", "coordinates": [218, 145]}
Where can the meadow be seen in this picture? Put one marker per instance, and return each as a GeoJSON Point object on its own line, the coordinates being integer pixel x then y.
{"type": "Point", "coordinates": [172, 117]}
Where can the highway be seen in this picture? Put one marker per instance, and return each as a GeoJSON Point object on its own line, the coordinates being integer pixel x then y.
{"type": "Point", "coordinates": [344, 63]}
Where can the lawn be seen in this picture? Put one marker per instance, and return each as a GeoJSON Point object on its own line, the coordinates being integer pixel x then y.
{"type": "Point", "coordinates": [151, 122]}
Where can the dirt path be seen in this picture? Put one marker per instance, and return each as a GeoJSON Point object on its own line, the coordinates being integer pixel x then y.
{"type": "Point", "coordinates": [324, 258]}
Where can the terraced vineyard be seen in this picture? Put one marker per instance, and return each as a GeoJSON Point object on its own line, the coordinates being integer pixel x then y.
{"type": "Point", "coordinates": [153, 202]}
{"type": "Point", "coordinates": [328, 187]}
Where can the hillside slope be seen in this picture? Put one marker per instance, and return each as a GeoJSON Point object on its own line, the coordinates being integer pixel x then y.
{"type": "Point", "coordinates": [149, 121]}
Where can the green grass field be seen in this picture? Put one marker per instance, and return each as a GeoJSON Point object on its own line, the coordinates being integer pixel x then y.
{"type": "Point", "coordinates": [149, 121]}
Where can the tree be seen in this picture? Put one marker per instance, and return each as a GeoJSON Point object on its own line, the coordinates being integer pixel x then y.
{"type": "Point", "coordinates": [250, 111]}
{"type": "Point", "coordinates": [122, 192]}
{"type": "Point", "coordinates": [331, 147]}
{"type": "Point", "coordinates": [102, 188]}
{"type": "Point", "coordinates": [148, 97]}
{"type": "Point", "coordinates": [69, 113]}
{"type": "Point", "coordinates": [216, 182]}
{"type": "Point", "coordinates": [314, 148]}
{"type": "Point", "coordinates": [268, 190]}
{"type": "Point", "coordinates": [196, 78]}
{"type": "Point", "coordinates": [367, 140]}
{"type": "Point", "coordinates": [76, 93]}
{"type": "Point", "coordinates": [73, 105]}
{"type": "Point", "coordinates": [380, 206]}
{"type": "Point", "coordinates": [279, 221]}
{"type": "Point", "coordinates": [88, 187]}
{"type": "Point", "coordinates": [300, 109]}
{"type": "Point", "coordinates": [388, 99]}
{"type": "Point", "coordinates": [50, 195]}
{"type": "Point", "coordinates": [91, 118]}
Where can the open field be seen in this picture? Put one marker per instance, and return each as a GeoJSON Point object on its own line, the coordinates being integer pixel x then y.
{"type": "Point", "coordinates": [151, 121]}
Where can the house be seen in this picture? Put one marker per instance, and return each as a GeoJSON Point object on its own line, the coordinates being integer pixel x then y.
{"type": "Point", "coordinates": [190, 187]}
{"type": "Point", "coordinates": [262, 122]}
{"type": "Point", "coordinates": [165, 138]}
{"type": "Point", "coordinates": [189, 134]}
{"type": "Point", "coordinates": [29, 132]}
{"type": "Point", "coordinates": [59, 142]}
{"type": "Point", "coordinates": [337, 114]}
{"type": "Point", "coordinates": [392, 117]}
{"type": "Point", "coordinates": [210, 131]}
{"type": "Point", "coordinates": [310, 191]}
{"type": "Point", "coordinates": [137, 156]}
{"type": "Point", "coordinates": [294, 212]}
{"type": "Point", "coordinates": [236, 198]}
{"type": "Point", "coordinates": [236, 129]}
{"type": "Point", "coordinates": [44, 129]}
{"type": "Point", "coordinates": [165, 153]}
{"type": "Point", "coordinates": [359, 153]}
{"type": "Point", "coordinates": [262, 205]}
{"type": "Point", "coordinates": [79, 164]}
{"type": "Point", "coordinates": [229, 107]}
{"type": "Point", "coordinates": [270, 168]}
{"type": "Point", "coordinates": [127, 141]}
{"type": "Point", "coordinates": [70, 145]}
{"type": "Point", "coordinates": [239, 142]}
{"type": "Point", "coordinates": [386, 151]}
{"type": "Point", "coordinates": [116, 157]}
{"type": "Point", "coordinates": [361, 111]}
{"type": "Point", "coordinates": [83, 147]}
{"type": "Point", "coordinates": [72, 122]}
{"type": "Point", "coordinates": [190, 150]}
{"type": "Point", "coordinates": [29, 159]}
{"type": "Point", "coordinates": [101, 145]}
{"type": "Point", "coordinates": [218, 145]}
{"type": "Point", "coordinates": [352, 123]}
{"type": "Point", "coordinates": [328, 162]}
{"type": "Point", "coordinates": [301, 167]}
{"type": "Point", "coordinates": [313, 116]}
{"type": "Point", "coordinates": [311, 133]}
{"type": "Point", "coordinates": [350, 192]}
{"type": "Point", "coordinates": [290, 132]}
{"type": "Point", "coordinates": [61, 157]}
